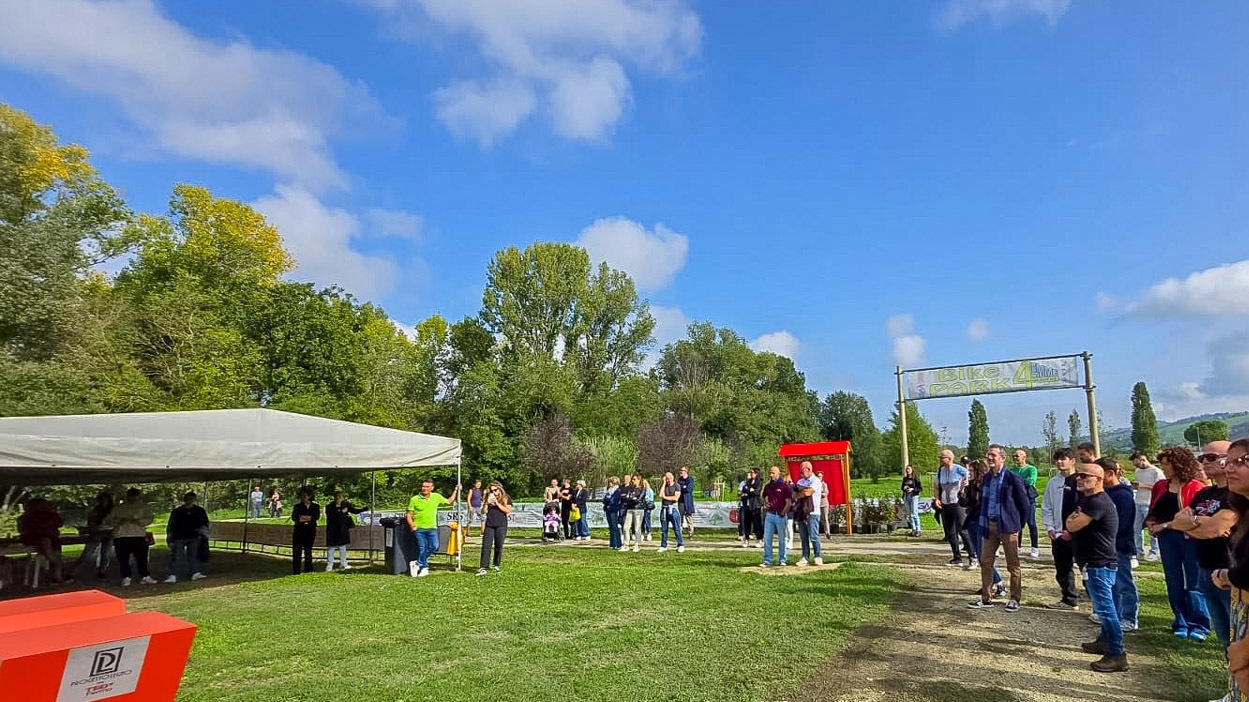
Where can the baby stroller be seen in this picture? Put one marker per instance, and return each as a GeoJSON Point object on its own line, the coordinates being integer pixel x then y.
{"type": "Point", "coordinates": [550, 522]}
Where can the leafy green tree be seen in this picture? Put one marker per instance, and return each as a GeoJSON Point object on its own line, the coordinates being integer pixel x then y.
{"type": "Point", "coordinates": [1074, 427]}
{"type": "Point", "coordinates": [1049, 432]}
{"type": "Point", "coordinates": [1144, 423]}
{"type": "Point", "coordinates": [845, 416]}
{"type": "Point", "coordinates": [922, 442]}
{"type": "Point", "coordinates": [977, 431]}
{"type": "Point", "coordinates": [547, 302]}
{"type": "Point", "coordinates": [1205, 431]}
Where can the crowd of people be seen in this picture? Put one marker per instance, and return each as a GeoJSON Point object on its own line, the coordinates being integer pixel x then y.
{"type": "Point", "coordinates": [1189, 512]}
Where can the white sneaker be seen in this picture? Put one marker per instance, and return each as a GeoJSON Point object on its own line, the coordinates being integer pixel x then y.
{"type": "Point", "coordinates": [171, 579]}
{"type": "Point", "coordinates": [1137, 564]}
{"type": "Point", "coordinates": [329, 568]}
{"type": "Point", "coordinates": [802, 562]}
{"type": "Point", "coordinates": [1035, 553]}
{"type": "Point", "coordinates": [636, 548]}
{"type": "Point", "coordinates": [622, 549]}
{"type": "Point", "coordinates": [1153, 557]}
{"type": "Point", "coordinates": [125, 582]}
{"type": "Point", "coordinates": [680, 549]}
{"type": "Point", "coordinates": [422, 572]}
{"type": "Point", "coordinates": [972, 564]}
{"type": "Point", "coordinates": [765, 564]}
{"type": "Point", "coordinates": [746, 543]}
{"type": "Point", "coordinates": [345, 566]}
{"type": "Point", "coordinates": [819, 561]}
{"type": "Point", "coordinates": [661, 549]}
{"type": "Point", "coordinates": [198, 576]}
{"type": "Point", "coordinates": [148, 580]}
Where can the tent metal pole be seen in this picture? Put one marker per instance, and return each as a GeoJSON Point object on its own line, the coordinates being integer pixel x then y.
{"type": "Point", "coordinates": [247, 513]}
{"type": "Point", "coordinates": [372, 515]}
{"type": "Point", "coordinates": [459, 515]}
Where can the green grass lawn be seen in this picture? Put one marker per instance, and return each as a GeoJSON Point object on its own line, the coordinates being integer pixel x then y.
{"type": "Point", "coordinates": [570, 624]}
{"type": "Point", "coordinates": [1190, 671]}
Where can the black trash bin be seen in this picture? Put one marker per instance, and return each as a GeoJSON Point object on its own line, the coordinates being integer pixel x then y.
{"type": "Point", "coordinates": [399, 545]}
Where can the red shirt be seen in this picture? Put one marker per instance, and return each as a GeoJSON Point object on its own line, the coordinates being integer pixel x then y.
{"type": "Point", "coordinates": [778, 494]}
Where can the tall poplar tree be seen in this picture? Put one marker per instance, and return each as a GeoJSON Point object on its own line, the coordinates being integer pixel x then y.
{"type": "Point", "coordinates": [1144, 423]}
{"type": "Point", "coordinates": [977, 431]}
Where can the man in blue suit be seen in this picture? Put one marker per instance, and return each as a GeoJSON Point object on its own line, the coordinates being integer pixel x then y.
{"type": "Point", "coordinates": [1004, 506]}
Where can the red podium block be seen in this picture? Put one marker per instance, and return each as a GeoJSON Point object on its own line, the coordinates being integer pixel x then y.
{"type": "Point", "coordinates": [48, 610]}
{"type": "Point", "coordinates": [131, 658]}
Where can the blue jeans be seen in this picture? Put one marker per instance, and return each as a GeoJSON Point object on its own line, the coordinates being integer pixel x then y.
{"type": "Point", "coordinates": [613, 528]}
{"type": "Point", "coordinates": [1141, 512]}
{"type": "Point", "coordinates": [184, 551]}
{"type": "Point", "coordinates": [1101, 585]}
{"type": "Point", "coordinates": [669, 516]}
{"type": "Point", "coordinates": [911, 506]}
{"type": "Point", "coordinates": [809, 532]}
{"type": "Point", "coordinates": [1179, 566]}
{"type": "Point", "coordinates": [583, 526]}
{"type": "Point", "coordinates": [773, 525]}
{"type": "Point", "coordinates": [646, 523]}
{"type": "Point", "coordinates": [426, 545]}
{"type": "Point", "coordinates": [1127, 599]}
{"type": "Point", "coordinates": [1219, 604]}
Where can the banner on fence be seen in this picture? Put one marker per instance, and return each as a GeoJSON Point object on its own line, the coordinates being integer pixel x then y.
{"type": "Point", "coordinates": [707, 515]}
{"type": "Point", "coordinates": [987, 378]}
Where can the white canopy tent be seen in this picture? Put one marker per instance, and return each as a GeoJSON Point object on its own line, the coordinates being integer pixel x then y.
{"type": "Point", "coordinates": [206, 445]}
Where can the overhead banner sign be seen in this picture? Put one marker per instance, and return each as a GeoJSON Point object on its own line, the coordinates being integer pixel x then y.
{"type": "Point", "coordinates": [987, 378]}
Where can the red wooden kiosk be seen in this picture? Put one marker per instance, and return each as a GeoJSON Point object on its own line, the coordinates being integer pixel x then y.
{"type": "Point", "coordinates": [832, 458]}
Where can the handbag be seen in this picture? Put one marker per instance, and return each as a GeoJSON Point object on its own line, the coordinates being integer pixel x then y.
{"type": "Point", "coordinates": [575, 513]}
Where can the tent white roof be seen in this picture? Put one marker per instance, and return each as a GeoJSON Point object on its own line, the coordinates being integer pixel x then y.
{"type": "Point", "coordinates": [204, 445]}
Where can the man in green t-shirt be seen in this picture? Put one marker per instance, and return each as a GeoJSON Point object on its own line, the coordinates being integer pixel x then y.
{"type": "Point", "coordinates": [1027, 473]}
{"type": "Point", "coordinates": [422, 516]}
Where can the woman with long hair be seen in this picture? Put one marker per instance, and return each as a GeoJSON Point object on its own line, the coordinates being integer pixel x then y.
{"type": "Point", "coordinates": [498, 506]}
{"type": "Point", "coordinates": [1179, 553]}
{"type": "Point", "coordinates": [648, 505]}
{"type": "Point", "coordinates": [1236, 577]}
{"type": "Point", "coordinates": [911, 490]}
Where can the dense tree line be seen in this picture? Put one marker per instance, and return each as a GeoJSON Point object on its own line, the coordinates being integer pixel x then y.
{"type": "Point", "coordinates": [550, 376]}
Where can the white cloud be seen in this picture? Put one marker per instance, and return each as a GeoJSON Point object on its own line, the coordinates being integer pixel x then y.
{"type": "Point", "coordinates": [1106, 303]}
{"type": "Point", "coordinates": [320, 239]}
{"type": "Point", "coordinates": [566, 57]}
{"type": "Point", "coordinates": [956, 13]}
{"type": "Point", "coordinates": [393, 223]}
{"type": "Point", "coordinates": [651, 258]}
{"type": "Point", "coordinates": [908, 347]}
{"type": "Point", "coordinates": [484, 111]}
{"type": "Point", "coordinates": [978, 330]}
{"type": "Point", "coordinates": [781, 343]}
{"type": "Point", "coordinates": [899, 325]}
{"type": "Point", "coordinates": [1216, 292]}
{"type": "Point", "coordinates": [671, 324]}
{"type": "Point", "coordinates": [1229, 367]}
{"type": "Point", "coordinates": [223, 102]}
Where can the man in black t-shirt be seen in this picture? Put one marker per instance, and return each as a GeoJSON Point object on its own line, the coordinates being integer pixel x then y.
{"type": "Point", "coordinates": [1209, 519]}
{"type": "Point", "coordinates": [1094, 526]}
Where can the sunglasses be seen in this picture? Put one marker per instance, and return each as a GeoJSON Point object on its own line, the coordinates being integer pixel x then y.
{"type": "Point", "coordinates": [1083, 476]}
{"type": "Point", "coordinates": [1242, 462]}
{"type": "Point", "coordinates": [1210, 457]}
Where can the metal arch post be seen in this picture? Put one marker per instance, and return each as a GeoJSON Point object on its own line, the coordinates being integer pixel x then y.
{"type": "Point", "coordinates": [906, 452]}
{"type": "Point", "coordinates": [1089, 386]}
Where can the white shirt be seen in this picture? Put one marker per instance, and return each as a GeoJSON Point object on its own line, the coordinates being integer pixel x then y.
{"type": "Point", "coordinates": [1145, 478]}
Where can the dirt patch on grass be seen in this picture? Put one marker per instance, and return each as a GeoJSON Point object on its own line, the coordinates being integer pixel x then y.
{"type": "Point", "coordinates": [790, 570]}
{"type": "Point", "coordinates": [933, 648]}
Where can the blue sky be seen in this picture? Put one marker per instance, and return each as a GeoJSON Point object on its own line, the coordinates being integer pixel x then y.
{"type": "Point", "coordinates": [855, 185]}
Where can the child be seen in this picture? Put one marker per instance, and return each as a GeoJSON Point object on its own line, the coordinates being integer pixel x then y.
{"type": "Point", "coordinates": [550, 523]}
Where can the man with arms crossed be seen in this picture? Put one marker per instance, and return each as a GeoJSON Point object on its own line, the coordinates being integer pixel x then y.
{"type": "Point", "coordinates": [777, 498]}
{"type": "Point", "coordinates": [1146, 475]}
{"type": "Point", "coordinates": [1003, 502]}
{"type": "Point", "coordinates": [809, 532]}
{"type": "Point", "coordinates": [1095, 524]}
{"type": "Point", "coordinates": [422, 516]}
{"type": "Point", "coordinates": [1058, 504]}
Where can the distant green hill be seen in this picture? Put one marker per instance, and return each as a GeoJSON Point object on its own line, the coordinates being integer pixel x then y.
{"type": "Point", "coordinates": [1173, 432]}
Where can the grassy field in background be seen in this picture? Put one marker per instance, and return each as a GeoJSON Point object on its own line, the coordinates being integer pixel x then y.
{"type": "Point", "coordinates": [568, 624]}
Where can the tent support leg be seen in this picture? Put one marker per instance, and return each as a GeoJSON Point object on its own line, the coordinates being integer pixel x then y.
{"type": "Point", "coordinates": [372, 514]}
